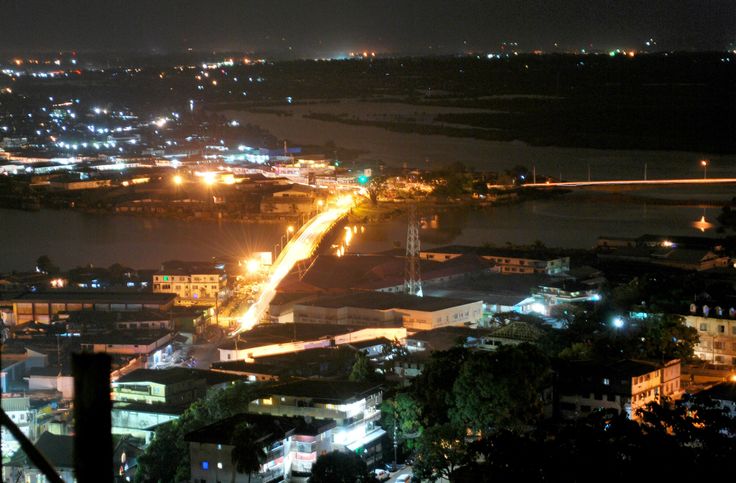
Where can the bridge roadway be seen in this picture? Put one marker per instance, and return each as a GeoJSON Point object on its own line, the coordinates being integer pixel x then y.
{"type": "Point", "coordinates": [301, 246]}
{"type": "Point", "coordinates": [634, 183]}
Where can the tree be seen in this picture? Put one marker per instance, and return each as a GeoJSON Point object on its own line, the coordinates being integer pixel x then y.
{"type": "Point", "coordinates": [340, 467]}
{"type": "Point", "coordinates": [376, 187]}
{"type": "Point", "coordinates": [666, 336]}
{"type": "Point", "coordinates": [362, 369]}
{"type": "Point", "coordinates": [500, 390]}
{"type": "Point", "coordinates": [432, 389]}
{"type": "Point", "coordinates": [440, 451]}
{"type": "Point", "coordinates": [401, 419]}
{"type": "Point", "coordinates": [45, 265]}
{"type": "Point", "coordinates": [247, 455]}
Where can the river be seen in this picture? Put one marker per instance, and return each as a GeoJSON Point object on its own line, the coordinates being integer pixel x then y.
{"type": "Point", "coordinates": [574, 220]}
{"type": "Point", "coordinates": [72, 239]}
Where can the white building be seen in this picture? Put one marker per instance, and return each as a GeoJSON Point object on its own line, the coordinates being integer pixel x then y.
{"type": "Point", "coordinates": [193, 283]}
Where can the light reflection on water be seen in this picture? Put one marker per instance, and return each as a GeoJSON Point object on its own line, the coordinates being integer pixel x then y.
{"type": "Point", "coordinates": [562, 222]}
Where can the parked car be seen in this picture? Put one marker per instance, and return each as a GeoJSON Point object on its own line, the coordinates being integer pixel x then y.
{"type": "Point", "coordinates": [406, 478]}
{"type": "Point", "coordinates": [381, 475]}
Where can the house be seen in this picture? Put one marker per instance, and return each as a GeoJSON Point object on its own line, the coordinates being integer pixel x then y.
{"type": "Point", "coordinates": [625, 385]}
{"type": "Point", "coordinates": [717, 336]}
{"type": "Point", "coordinates": [289, 447]}
{"type": "Point", "coordinates": [506, 260]}
{"type": "Point", "coordinates": [194, 283]}
{"type": "Point", "coordinates": [45, 307]}
{"type": "Point", "coordinates": [354, 406]}
{"type": "Point", "coordinates": [380, 309]}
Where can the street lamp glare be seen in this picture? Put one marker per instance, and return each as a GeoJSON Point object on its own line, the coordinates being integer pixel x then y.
{"type": "Point", "coordinates": [178, 179]}
{"type": "Point", "coordinates": [618, 322]}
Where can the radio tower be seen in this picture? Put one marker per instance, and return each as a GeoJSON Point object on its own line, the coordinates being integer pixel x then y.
{"type": "Point", "coordinates": [412, 273]}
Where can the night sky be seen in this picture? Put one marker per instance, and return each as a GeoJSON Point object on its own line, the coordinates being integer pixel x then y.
{"type": "Point", "coordinates": [332, 27]}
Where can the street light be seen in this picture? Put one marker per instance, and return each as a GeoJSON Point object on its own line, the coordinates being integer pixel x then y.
{"type": "Point", "coordinates": [178, 180]}
{"type": "Point", "coordinates": [704, 164]}
{"type": "Point", "coordinates": [618, 322]}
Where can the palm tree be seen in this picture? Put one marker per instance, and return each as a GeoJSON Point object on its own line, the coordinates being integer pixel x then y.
{"type": "Point", "coordinates": [247, 455]}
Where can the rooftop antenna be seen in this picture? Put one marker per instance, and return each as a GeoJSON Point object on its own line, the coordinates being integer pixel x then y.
{"type": "Point", "coordinates": [412, 272]}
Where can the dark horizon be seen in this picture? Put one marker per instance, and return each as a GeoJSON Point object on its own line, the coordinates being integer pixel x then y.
{"type": "Point", "coordinates": [293, 29]}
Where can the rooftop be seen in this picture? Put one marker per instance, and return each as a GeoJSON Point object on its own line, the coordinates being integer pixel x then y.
{"type": "Point", "coordinates": [96, 297]}
{"type": "Point", "coordinates": [375, 271]}
{"type": "Point", "coordinates": [386, 301]}
{"type": "Point", "coordinates": [268, 334]}
{"type": "Point", "coordinates": [336, 392]}
{"type": "Point", "coordinates": [264, 429]}
{"type": "Point", "coordinates": [58, 450]}
{"type": "Point", "coordinates": [177, 374]}
{"type": "Point", "coordinates": [100, 317]}
{"type": "Point", "coordinates": [139, 337]}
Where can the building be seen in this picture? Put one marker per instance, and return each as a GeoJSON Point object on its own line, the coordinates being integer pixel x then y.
{"type": "Point", "coordinates": [625, 385]}
{"type": "Point", "coordinates": [290, 446]}
{"type": "Point", "coordinates": [505, 260]}
{"type": "Point", "coordinates": [379, 309]}
{"type": "Point", "coordinates": [354, 406]}
{"type": "Point", "coordinates": [325, 363]}
{"type": "Point", "coordinates": [139, 420]}
{"type": "Point", "coordinates": [28, 414]}
{"type": "Point", "coordinates": [44, 307]}
{"type": "Point", "coordinates": [16, 363]}
{"type": "Point", "coordinates": [296, 199]}
{"type": "Point", "coordinates": [176, 386]}
{"type": "Point", "coordinates": [58, 450]}
{"type": "Point", "coordinates": [717, 338]}
{"type": "Point", "coordinates": [274, 339]}
{"type": "Point", "coordinates": [52, 379]}
{"type": "Point", "coordinates": [691, 259]}
{"type": "Point", "coordinates": [194, 283]}
{"type": "Point", "coordinates": [87, 321]}
{"type": "Point", "coordinates": [149, 344]}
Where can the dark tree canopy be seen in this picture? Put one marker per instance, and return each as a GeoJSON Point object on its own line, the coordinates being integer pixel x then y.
{"type": "Point", "coordinates": [340, 467]}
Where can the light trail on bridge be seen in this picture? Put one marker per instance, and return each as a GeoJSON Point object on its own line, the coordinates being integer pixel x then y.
{"type": "Point", "coordinates": [300, 247]}
{"type": "Point", "coordinates": [634, 182]}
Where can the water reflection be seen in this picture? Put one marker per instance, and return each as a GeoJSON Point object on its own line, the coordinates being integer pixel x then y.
{"type": "Point", "coordinates": [702, 224]}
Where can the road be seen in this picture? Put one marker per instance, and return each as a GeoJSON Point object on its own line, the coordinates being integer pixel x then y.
{"type": "Point", "coordinates": [301, 246]}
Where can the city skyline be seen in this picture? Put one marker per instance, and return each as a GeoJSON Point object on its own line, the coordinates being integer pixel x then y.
{"type": "Point", "coordinates": [290, 29]}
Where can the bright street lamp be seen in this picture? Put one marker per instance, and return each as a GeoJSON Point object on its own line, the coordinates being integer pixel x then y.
{"type": "Point", "coordinates": [704, 164]}
{"type": "Point", "coordinates": [178, 179]}
{"type": "Point", "coordinates": [618, 322]}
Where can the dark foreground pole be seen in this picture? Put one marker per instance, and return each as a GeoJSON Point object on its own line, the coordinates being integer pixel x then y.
{"type": "Point", "coordinates": [93, 426]}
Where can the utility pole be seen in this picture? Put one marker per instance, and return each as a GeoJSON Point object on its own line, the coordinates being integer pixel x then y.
{"type": "Point", "coordinates": [534, 173]}
{"type": "Point", "coordinates": [645, 171]}
{"type": "Point", "coordinates": [412, 271]}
